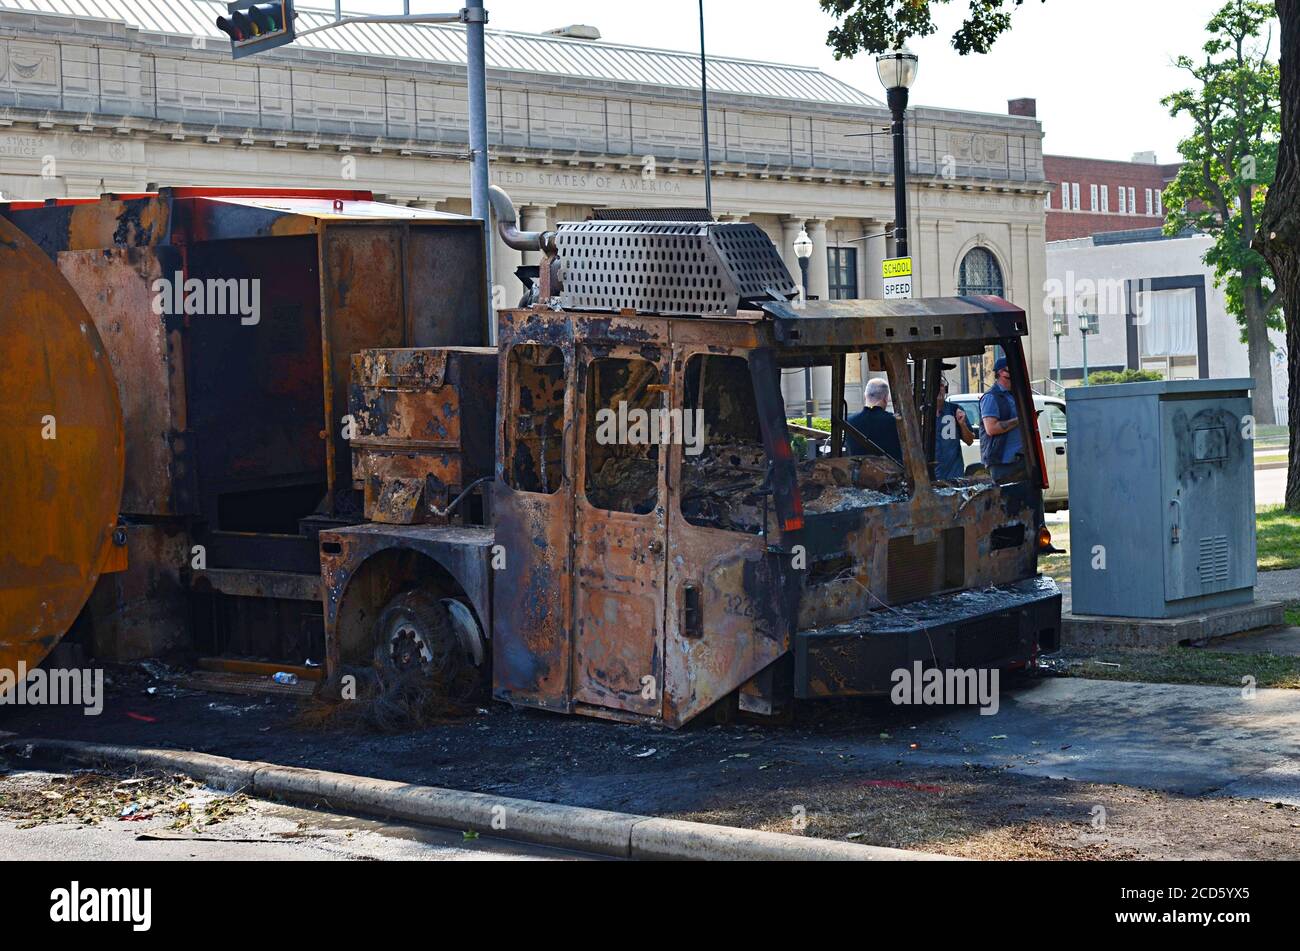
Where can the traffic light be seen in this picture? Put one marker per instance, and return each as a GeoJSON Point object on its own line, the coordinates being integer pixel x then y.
{"type": "Point", "coordinates": [257, 25]}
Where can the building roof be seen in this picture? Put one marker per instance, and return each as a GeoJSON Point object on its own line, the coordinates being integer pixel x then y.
{"type": "Point", "coordinates": [506, 51]}
{"type": "Point", "coordinates": [1140, 235]}
{"type": "Point", "coordinates": [1132, 236]}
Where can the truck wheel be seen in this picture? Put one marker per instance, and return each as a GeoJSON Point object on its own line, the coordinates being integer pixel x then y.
{"type": "Point", "coordinates": [416, 632]}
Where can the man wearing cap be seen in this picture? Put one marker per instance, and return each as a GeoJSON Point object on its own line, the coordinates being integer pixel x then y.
{"type": "Point", "coordinates": [1001, 447]}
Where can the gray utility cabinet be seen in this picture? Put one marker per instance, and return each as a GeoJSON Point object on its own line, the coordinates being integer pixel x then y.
{"type": "Point", "coordinates": [1163, 481]}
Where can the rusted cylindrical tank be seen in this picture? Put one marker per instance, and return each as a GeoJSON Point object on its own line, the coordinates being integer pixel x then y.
{"type": "Point", "coordinates": [62, 465]}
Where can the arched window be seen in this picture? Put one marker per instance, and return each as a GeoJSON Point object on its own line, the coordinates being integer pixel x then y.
{"type": "Point", "coordinates": [980, 274]}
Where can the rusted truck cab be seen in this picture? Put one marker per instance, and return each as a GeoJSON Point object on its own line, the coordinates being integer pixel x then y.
{"type": "Point", "coordinates": [649, 547]}
{"type": "Point", "coordinates": [655, 575]}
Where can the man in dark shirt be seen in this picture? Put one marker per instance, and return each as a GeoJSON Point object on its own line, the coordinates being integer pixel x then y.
{"type": "Point", "coordinates": [877, 424]}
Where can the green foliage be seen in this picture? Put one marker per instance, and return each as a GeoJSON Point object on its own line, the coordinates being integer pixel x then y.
{"type": "Point", "coordinates": [799, 443]}
{"type": "Point", "coordinates": [1105, 377]}
{"type": "Point", "coordinates": [1277, 538]}
{"type": "Point", "coordinates": [1231, 156]}
{"type": "Point", "coordinates": [821, 423]}
{"type": "Point", "coordinates": [873, 26]}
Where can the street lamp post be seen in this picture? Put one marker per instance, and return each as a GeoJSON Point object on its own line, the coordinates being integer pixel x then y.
{"type": "Point", "coordinates": [897, 71]}
{"type": "Point", "coordinates": [1059, 330]}
{"type": "Point", "coordinates": [803, 249]}
{"type": "Point", "coordinates": [1087, 325]}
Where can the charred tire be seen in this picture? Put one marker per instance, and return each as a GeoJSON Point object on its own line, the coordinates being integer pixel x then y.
{"type": "Point", "coordinates": [416, 632]}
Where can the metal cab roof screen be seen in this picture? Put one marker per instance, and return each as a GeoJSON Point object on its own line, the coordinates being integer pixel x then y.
{"type": "Point", "coordinates": [669, 267]}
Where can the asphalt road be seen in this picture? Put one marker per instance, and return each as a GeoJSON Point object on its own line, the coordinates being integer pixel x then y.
{"type": "Point", "coordinates": [1190, 740]}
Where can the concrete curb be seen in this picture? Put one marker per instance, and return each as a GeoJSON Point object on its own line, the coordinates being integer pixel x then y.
{"type": "Point", "coordinates": [598, 831]}
{"type": "Point", "coordinates": [676, 839]}
{"type": "Point", "coordinates": [570, 827]}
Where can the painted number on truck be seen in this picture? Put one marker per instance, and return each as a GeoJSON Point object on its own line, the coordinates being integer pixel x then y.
{"type": "Point", "coordinates": [740, 606]}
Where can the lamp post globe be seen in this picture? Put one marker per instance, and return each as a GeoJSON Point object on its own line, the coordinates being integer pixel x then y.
{"type": "Point", "coordinates": [897, 71]}
{"type": "Point", "coordinates": [897, 68]}
{"type": "Point", "coordinates": [803, 246]}
{"type": "Point", "coordinates": [803, 249]}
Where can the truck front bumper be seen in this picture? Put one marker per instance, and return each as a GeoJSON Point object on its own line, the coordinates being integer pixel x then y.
{"type": "Point", "coordinates": [996, 627]}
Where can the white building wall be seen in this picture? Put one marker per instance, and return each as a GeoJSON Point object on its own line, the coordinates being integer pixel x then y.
{"type": "Point", "coordinates": [1078, 269]}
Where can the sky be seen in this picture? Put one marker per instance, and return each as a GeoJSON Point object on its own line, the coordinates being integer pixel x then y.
{"type": "Point", "coordinates": [1098, 68]}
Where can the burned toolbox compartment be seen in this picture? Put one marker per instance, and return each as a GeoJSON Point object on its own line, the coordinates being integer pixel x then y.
{"type": "Point", "coordinates": [422, 424]}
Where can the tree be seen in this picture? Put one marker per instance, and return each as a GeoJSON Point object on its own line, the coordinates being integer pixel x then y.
{"type": "Point", "coordinates": [873, 26]}
{"type": "Point", "coordinates": [1228, 160]}
{"type": "Point", "coordinates": [1278, 238]}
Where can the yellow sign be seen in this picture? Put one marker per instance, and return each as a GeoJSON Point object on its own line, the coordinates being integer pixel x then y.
{"type": "Point", "coordinates": [896, 267]}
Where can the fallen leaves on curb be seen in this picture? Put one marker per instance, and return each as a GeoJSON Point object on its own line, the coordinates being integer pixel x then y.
{"type": "Point", "coordinates": [90, 797]}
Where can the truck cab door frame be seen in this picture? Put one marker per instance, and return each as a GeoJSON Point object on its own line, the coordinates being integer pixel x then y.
{"type": "Point", "coordinates": [619, 555]}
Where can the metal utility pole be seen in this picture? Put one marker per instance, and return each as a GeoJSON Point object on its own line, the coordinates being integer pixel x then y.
{"type": "Point", "coordinates": [474, 17]}
{"type": "Point", "coordinates": [704, 110]}
{"type": "Point", "coordinates": [898, 108]}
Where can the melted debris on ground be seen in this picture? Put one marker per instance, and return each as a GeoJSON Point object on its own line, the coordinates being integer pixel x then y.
{"type": "Point", "coordinates": [90, 797]}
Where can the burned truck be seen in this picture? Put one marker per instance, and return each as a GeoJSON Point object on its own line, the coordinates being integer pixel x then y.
{"type": "Point", "coordinates": [604, 513]}
{"type": "Point", "coordinates": [590, 505]}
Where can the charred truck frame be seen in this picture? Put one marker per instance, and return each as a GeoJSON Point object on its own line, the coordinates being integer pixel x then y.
{"type": "Point", "coordinates": [601, 514]}
{"type": "Point", "coordinates": [642, 576]}
{"type": "Point", "coordinates": [235, 454]}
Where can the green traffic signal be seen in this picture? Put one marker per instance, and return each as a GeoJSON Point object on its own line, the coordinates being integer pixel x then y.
{"type": "Point", "coordinates": [257, 27]}
{"type": "Point", "coordinates": [267, 17]}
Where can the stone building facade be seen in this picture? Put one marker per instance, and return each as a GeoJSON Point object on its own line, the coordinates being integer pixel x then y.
{"type": "Point", "coordinates": [145, 92]}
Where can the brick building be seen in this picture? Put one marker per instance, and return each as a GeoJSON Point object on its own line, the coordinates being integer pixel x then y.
{"type": "Point", "coordinates": [1096, 196]}
{"type": "Point", "coordinates": [1099, 196]}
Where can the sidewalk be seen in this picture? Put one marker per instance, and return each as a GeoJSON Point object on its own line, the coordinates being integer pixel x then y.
{"type": "Point", "coordinates": [591, 831]}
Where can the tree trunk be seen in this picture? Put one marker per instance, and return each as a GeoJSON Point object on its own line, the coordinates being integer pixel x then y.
{"type": "Point", "coordinates": [1278, 238]}
{"type": "Point", "coordinates": [1257, 347]}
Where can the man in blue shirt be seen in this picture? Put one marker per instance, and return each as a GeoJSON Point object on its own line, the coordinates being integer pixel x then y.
{"type": "Point", "coordinates": [1001, 446]}
{"type": "Point", "coordinates": [875, 423]}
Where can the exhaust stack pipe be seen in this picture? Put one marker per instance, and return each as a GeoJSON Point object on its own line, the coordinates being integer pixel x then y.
{"type": "Point", "coordinates": [508, 226]}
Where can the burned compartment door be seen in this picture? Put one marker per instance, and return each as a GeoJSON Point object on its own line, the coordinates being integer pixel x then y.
{"type": "Point", "coordinates": [532, 502]}
{"type": "Point", "coordinates": [363, 304]}
{"type": "Point", "coordinates": [142, 334]}
{"type": "Point", "coordinates": [619, 532]}
{"type": "Point", "coordinates": [730, 603]}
